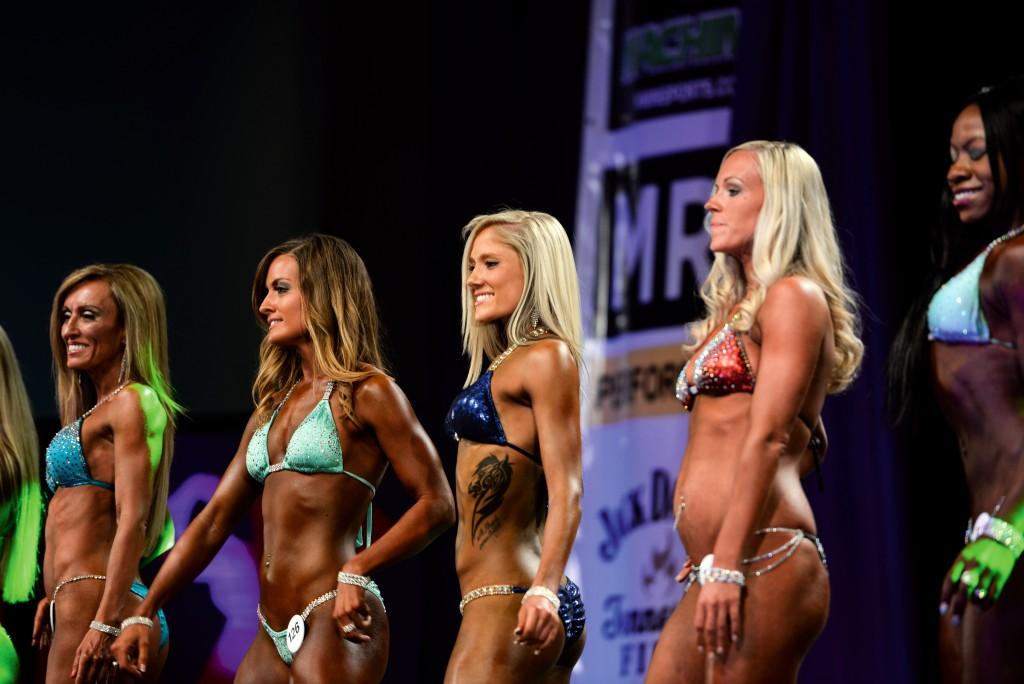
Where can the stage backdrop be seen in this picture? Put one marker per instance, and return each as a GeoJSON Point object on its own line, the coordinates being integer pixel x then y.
{"type": "Point", "coordinates": [656, 123]}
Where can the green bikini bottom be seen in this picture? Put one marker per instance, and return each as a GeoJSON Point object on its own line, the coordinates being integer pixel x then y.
{"type": "Point", "coordinates": [280, 638]}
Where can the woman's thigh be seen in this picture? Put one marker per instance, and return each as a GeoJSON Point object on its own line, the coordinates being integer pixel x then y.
{"type": "Point", "coordinates": [327, 657]}
{"type": "Point", "coordinates": [783, 613]}
{"type": "Point", "coordinates": [485, 649]}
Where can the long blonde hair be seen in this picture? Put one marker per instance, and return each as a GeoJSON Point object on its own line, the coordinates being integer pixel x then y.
{"type": "Point", "coordinates": [794, 235]}
{"type": "Point", "coordinates": [143, 315]}
{"type": "Point", "coordinates": [341, 318]}
{"type": "Point", "coordinates": [550, 287]}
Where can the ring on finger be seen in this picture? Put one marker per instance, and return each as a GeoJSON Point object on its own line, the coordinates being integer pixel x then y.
{"type": "Point", "coordinates": [349, 628]}
{"type": "Point", "coordinates": [979, 594]}
{"type": "Point", "coordinates": [967, 578]}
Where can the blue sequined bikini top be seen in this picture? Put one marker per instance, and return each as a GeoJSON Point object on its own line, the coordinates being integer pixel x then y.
{"type": "Point", "coordinates": [65, 463]}
{"type": "Point", "coordinates": [313, 448]}
{"type": "Point", "coordinates": [473, 415]}
{"type": "Point", "coordinates": [955, 314]}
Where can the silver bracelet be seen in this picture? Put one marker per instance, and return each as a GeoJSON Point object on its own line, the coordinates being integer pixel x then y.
{"type": "Point", "coordinates": [356, 580]}
{"type": "Point", "coordinates": [136, 620]}
{"type": "Point", "coordinates": [707, 572]}
{"type": "Point", "coordinates": [545, 593]}
{"type": "Point", "coordinates": [106, 629]}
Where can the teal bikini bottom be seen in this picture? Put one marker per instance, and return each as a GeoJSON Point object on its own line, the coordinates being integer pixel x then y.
{"type": "Point", "coordinates": [280, 639]}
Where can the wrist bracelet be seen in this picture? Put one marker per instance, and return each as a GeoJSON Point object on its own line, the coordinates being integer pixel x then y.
{"type": "Point", "coordinates": [998, 530]}
{"type": "Point", "coordinates": [356, 580]}
{"type": "Point", "coordinates": [707, 572]}
{"type": "Point", "coordinates": [543, 592]}
{"type": "Point", "coordinates": [136, 620]}
{"type": "Point", "coordinates": [106, 629]}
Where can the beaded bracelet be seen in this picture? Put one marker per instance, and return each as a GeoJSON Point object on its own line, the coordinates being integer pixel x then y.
{"type": "Point", "coordinates": [136, 620]}
{"type": "Point", "coordinates": [106, 629]}
{"type": "Point", "coordinates": [545, 593]}
{"type": "Point", "coordinates": [361, 581]}
{"type": "Point", "coordinates": [1000, 531]}
{"type": "Point", "coordinates": [707, 572]}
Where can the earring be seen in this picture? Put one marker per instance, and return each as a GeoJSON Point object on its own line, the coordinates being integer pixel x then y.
{"type": "Point", "coordinates": [534, 320]}
{"type": "Point", "coordinates": [123, 375]}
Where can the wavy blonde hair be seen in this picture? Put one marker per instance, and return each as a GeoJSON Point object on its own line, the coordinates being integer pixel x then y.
{"type": "Point", "coordinates": [550, 287]}
{"type": "Point", "coordinates": [340, 314]}
{"type": "Point", "coordinates": [142, 313]}
{"type": "Point", "coordinates": [794, 235]}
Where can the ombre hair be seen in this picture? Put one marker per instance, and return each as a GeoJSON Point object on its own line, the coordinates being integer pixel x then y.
{"type": "Point", "coordinates": [794, 235]}
{"type": "Point", "coordinates": [340, 315]}
{"type": "Point", "coordinates": [142, 314]}
{"type": "Point", "coordinates": [550, 287]}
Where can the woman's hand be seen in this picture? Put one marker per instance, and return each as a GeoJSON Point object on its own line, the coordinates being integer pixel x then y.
{"type": "Point", "coordinates": [717, 618]}
{"type": "Point", "coordinates": [131, 649]}
{"type": "Point", "coordinates": [41, 633]}
{"type": "Point", "coordinates": [93, 660]}
{"type": "Point", "coordinates": [978, 574]}
{"type": "Point", "coordinates": [352, 613]}
{"type": "Point", "coordinates": [538, 624]}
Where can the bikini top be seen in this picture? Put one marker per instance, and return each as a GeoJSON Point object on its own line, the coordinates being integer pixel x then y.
{"type": "Point", "coordinates": [473, 415]}
{"type": "Point", "coordinates": [721, 368]}
{"type": "Point", "coordinates": [65, 463]}
{"type": "Point", "coordinates": [313, 448]}
{"type": "Point", "coordinates": [955, 314]}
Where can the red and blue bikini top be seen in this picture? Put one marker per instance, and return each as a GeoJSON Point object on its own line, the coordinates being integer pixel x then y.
{"type": "Point", "coordinates": [721, 368]}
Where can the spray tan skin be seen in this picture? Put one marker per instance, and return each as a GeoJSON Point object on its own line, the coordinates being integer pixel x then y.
{"type": "Point", "coordinates": [536, 393]}
{"type": "Point", "coordinates": [310, 521]}
{"type": "Point", "coordinates": [980, 389]}
{"type": "Point", "coordinates": [90, 530]}
{"type": "Point", "coordinates": [741, 472]}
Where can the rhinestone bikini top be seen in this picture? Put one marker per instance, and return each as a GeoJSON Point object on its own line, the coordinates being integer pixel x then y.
{"type": "Point", "coordinates": [955, 315]}
{"type": "Point", "coordinates": [313, 448]}
{"type": "Point", "coordinates": [721, 368]}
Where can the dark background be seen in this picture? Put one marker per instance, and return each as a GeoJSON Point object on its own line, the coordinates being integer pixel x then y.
{"type": "Point", "coordinates": [189, 138]}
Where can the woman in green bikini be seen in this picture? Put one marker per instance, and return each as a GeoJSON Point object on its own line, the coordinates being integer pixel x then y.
{"type": "Point", "coordinates": [327, 424]}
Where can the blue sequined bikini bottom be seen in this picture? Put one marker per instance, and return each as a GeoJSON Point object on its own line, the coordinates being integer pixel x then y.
{"type": "Point", "coordinates": [570, 610]}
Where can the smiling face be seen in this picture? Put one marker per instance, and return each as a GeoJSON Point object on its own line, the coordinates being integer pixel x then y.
{"type": "Point", "coordinates": [90, 327]}
{"type": "Point", "coordinates": [283, 306]}
{"type": "Point", "coordinates": [970, 173]}
{"type": "Point", "coordinates": [735, 204]}
{"type": "Point", "coordinates": [495, 277]}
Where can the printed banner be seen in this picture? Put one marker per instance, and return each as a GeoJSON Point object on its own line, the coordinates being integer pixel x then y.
{"type": "Point", "coordinates": [659, 88]}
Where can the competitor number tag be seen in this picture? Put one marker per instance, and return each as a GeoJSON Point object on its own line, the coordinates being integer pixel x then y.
{"type": "Point", "coordinates": [296, 633]}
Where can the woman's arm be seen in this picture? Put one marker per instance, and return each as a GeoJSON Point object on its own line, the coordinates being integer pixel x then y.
{"type": "Point", "coordinates": [382, 408]}
{"type": "Point", "coordinates": [193, 551]}
{"type": "Point", "coordinates": [132, 497]}
{"type": "Point", "coordinates": [552, 384]}
{"type": "Point", "coordinates": [794, 320]}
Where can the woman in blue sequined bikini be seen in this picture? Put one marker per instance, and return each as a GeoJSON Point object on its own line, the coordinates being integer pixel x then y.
{"type": "Point", "coordinates": [970, 339]}
{"type": "Point", "coordinates": [518, 473]}
{"type": "Point", "coordinates": [327, 425]}
{"type": "Point", "coordinates": [780, 335]}
{"type": "Point", "coordinates": [107, 470]}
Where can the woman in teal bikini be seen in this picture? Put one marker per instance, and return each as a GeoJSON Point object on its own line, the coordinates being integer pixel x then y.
{"type": "Point", "coordinates": [107, 469]}
{"type": "Point", "coordinates": [327, 424]}
{"type": "Point", "coordinates": [20, 500]}
{"type": "Point", "coordinates": [975, 325]}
